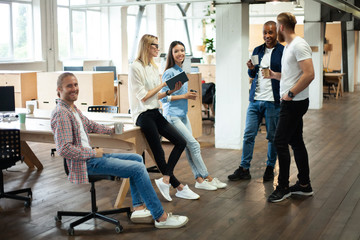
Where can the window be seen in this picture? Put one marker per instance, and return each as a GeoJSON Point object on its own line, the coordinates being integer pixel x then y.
{"type": "Point", "coordinates": [16, 42]}
{"type": "Point", "coordinates": [78, 32]}
{"type": "Point", "coordinates": [174, 26]}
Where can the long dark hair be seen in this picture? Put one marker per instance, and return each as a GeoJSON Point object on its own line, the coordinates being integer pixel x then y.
{"type": "Point", "coordinates": [170, 62]}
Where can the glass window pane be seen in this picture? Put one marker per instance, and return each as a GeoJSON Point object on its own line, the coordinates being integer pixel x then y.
{"type": "Point", "coordinates": [22, 31]}
{"type": "Point", "coordinates": [5, 39]}
{"type": "Point", "coordinates": [63, 33]}
{"type": "Point", "coordinates": [63, 2]}
{"type": "Point", "coordinates": [94, 38]}
{"type": "Point", "coordinates": [78, 34]}
{"type": "Point", "coordinates": [77, 2]}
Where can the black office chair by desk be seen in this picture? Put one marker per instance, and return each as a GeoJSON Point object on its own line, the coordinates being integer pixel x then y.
{"type": "Point", "coordinates": [10, 153]}
{"type": "Point", "coordinates": [94, 213]}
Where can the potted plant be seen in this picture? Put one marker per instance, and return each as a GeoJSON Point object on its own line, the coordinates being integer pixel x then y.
{"type": "Point", "coordinates": [209, 49]}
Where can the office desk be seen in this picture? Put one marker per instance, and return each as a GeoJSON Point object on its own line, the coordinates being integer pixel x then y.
{"type": "Point", "coordinates": [39, 130]}
{"type": "Point", "coordinates": [335, 78]}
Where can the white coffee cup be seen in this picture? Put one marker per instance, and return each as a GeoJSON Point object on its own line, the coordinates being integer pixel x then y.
{"type": "Point", "coordinates": [30, 108]}
{"type": "Point", "coordinates": [255, 59]}
{"type": "Point", "coordinates": [119, 127]}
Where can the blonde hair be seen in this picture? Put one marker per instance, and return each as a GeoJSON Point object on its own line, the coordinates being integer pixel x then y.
{"type": "Point", "coordinates": [287, 19]}
{"type": "Point", "coordinates": [143, 50]}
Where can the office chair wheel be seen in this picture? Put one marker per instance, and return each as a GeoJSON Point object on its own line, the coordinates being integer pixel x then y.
{"type": "Point", "coordinates": [119, 229]}
{"type": "Point", "coordinates": [71, 231]}
{"type": "Point", "coordinates": [27, 204]}
{"type": "Point", "coordinates": [57, 218]}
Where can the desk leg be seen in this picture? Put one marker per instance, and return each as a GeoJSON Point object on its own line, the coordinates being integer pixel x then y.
{"type": "Point", "coordinates": [29, 157]}
{"type": "Point", "coordinates": [124, 188]}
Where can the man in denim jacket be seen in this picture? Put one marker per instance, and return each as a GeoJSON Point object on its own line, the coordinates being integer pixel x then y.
{"type": "Point", "coordinates": [264, 102]}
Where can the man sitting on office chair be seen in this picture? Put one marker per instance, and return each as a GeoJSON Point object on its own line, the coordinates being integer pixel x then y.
{"type": "Point", "coordinates": [264, 102]}
{"type": "Point", "coordinates": [71, 128]}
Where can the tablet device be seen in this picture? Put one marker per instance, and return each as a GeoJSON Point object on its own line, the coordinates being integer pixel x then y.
{"type": "Point", "coordinates": [180, 77]}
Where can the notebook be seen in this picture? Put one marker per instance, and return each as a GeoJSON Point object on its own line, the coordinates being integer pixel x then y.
{"type": "Point", "coordinates": [180, 77]}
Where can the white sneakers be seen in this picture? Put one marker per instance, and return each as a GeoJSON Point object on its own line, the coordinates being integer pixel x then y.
{"type": "Point", "coordinates": [205, 185]}
{"type": "Point", "coordinates": [141, 216]}
{"type": "Point", "coordinates": [217, 183]}
{"type": "Point", "coordinates": [172, 221]}
{"type": "Point", "coordinates": [186, 193]}
{"type": "Point", "coordinates": [164, 188]}
{"type": "Point", "coordinates": [213, 185]}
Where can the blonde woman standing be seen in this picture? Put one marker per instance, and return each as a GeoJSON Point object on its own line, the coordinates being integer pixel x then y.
{"type": "Point", "coordinates": [144, 87]}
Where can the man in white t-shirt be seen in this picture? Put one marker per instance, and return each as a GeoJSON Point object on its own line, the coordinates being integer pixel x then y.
{"type": "Point", "coordinates": [297, 72]}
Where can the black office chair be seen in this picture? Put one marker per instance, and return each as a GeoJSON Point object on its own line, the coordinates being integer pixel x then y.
{"type": "Point", "coordinates": [108, 109]}
{"type": "Point", "coordinates": [10, 153]}
{"type": "Point", "coordinates": [94, 213]}
{"type": "Point", "coordinates": [104, 109]}
{"type": "Point", "coordinates": [208, 97]}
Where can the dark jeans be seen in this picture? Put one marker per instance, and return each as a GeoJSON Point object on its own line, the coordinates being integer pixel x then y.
{"type": "Point", "coordinates": [152, 123]}
{"type": "Point", "coordinates": [289, 132]}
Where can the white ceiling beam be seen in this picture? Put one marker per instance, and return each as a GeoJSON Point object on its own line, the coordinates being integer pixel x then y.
{"type": "Point", "coordinates": [142, 3]}
{"type": "Point", "coordinates": [342, 5]}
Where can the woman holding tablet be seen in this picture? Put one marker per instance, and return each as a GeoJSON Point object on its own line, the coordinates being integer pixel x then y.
{"type": "Point", "coordinates": [175, 107]}
{"type": "Point", "coordinates": [144, 87]}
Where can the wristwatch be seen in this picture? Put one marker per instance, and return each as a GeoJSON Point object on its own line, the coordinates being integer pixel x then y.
{"type": "Point", "coordinates": [291, 94]}
{"type": "Point", "coordinates": [167, 93]}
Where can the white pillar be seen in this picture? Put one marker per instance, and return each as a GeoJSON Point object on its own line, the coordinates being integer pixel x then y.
{"type": "Point", "coordinates": [314, 35]}
{"type": "Point", "coordinates": [351, 54]}
{"type": "Point", "coordinates": [232, 80]}
{"type": "Point", "coordinates": [358, 58]}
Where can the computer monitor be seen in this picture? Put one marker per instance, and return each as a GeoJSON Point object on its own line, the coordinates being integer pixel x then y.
{"type": "Point", "coordinates": [73, 68]}
{"type": "Point", "coordinates": [106, 68]}
{"type": "Point", "coordinates": [7, 99]}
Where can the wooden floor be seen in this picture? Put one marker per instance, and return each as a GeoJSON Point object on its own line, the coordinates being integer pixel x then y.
{"type": "Point", "coordinates": [332, 137]}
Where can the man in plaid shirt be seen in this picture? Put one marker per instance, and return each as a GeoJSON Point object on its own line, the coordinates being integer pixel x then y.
{"type": "Point", "coordinates": [71, 128]}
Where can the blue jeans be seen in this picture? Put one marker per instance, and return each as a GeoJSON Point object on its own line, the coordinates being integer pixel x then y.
{"type": "Point", "coordinates": [193, 153]}
{"type": "Point", "coordinates": [129, 165]}
{"type": "Point", "coordinates": [255, 112]}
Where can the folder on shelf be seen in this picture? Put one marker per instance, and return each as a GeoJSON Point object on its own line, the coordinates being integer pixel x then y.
{"type": "Point", "coordinates": [181, 77]}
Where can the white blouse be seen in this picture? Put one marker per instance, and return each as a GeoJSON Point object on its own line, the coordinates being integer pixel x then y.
{"type": "Point", "coordinates": [141, 80]}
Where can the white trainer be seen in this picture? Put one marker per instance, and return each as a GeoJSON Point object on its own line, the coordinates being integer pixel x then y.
{"type": "Point", "coordinates": [172, 221]}
{"type": "Point", "coordinates": [217, 183]}
{"type": "Point", "coordinates": [186, 193]}
{"type": "Point", "coordinates": [205, 185]}
{"type": "Point", "coordinates": [141, 216]}
{"type": "Point", "coordinates": [164, 188]}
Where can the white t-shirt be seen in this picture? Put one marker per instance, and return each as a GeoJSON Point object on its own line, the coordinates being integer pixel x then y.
{"type": "Point", "coordinates": [264, 90]}
{"type": "Point", "coordinates": [84, 138]}
{"type": "Point", "coordinates": [298, 50]}
{"type": "Point", "coordinates": [141, 80]}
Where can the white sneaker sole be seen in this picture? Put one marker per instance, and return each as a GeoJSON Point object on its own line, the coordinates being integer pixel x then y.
{"type": "Point", "coordinates": [142, 219]}
{"type": "Point", "coordinates": [188, 198]}
{"type": "Point", "coordinates": [303, 193]}
{"type": "Point", "coordinates": [214, 189]}
{"type": "Point", "coordinates": [172, 226]}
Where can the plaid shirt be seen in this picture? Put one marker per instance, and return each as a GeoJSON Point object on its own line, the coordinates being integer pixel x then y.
{"type": "Point", "coordinates": [67, 137]}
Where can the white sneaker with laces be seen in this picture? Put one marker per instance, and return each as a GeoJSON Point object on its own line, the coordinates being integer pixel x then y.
{"type": "Point", "coordinates": [172, 221]}
{"type": "Point", "coordinates": [217, 183]}
{"type": "Point", "coordinates": [141, 216]}
{"type": "Point", "coordinates": [205, 185]}
{"type": "Point", "coordinates": [164, 188]}
{"type": "Point", "coordinates": [186, 193]}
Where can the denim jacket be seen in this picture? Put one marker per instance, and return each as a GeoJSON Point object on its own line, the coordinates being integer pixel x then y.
{"type": "Point", "coordinates": [275, 65]}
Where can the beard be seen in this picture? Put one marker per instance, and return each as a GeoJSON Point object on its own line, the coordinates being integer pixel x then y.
{"type": "Point", "coordinates": [281, 37]}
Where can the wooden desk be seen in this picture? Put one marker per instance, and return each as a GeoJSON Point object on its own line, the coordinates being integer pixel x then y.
{"type": "Point", "coordinates": [335, 78]}
{"type": "Point", "coordinates": [39, 130]}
